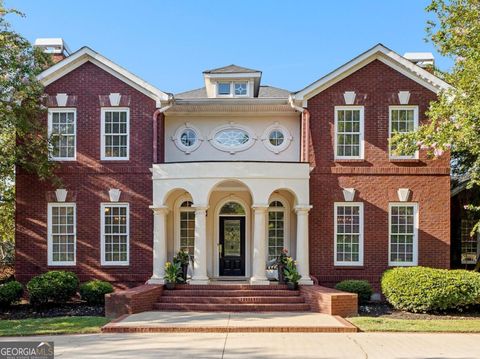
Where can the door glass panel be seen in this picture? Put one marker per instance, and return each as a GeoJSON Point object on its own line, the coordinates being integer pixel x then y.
{"type": "Point", "coordinates": [232, 236]}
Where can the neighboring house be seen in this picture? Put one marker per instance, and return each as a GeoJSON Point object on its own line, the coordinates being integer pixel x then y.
{"type": "Point", "coordinates": [465, 246]}
{"type": "Point", "coordinates": [234, 172]}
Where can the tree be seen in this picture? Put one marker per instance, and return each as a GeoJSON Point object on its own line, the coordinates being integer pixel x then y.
{"type": "Point", "coordinates": [24, 141]}
{"type": "Point", "coordinates": [455, 116]}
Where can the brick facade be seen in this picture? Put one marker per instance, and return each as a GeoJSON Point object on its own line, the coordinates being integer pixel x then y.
{"type": "Point", "coordinates": [376, 179]}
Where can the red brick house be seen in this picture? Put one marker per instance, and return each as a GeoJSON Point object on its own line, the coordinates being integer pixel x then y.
{"type": "Point", "coordinates": [233, 173]}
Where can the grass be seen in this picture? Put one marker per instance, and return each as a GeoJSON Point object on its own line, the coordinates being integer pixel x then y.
{"type": "Point", "coordinates": [370, 324]}
{"type": "Point", "coordinates": [57, 325]}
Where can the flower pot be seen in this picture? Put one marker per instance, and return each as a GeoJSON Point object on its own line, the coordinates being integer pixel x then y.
{"type": "Point", "coordinates": [170, 285]}
{"type": "Point", "coordinates": [292, 286]}
{"type": "Point", "coordinates": [184, 272]}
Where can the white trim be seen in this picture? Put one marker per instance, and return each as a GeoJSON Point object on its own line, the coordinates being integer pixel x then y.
{"type": "Point", "coordinates": [381, 53]}
{"type": "Point", "coordinates": [216, 232]}
{"type": "Point", "coordinates": [176, 138]}
{"type": "Point", "coordinates": [287, 138]}
{"type": "Point", "coordinates": [415, 234]}
{"type": "Point", "coordinates": [102, 133]}
{"type": "Point", "coordinates": [286, 220]}
{"type": "Point", "coordinates": [176, 219]}
{"type": "Point", "coordinates": [415, 127]}
{"type": "Point", "coordinates": [86, 54]}
{"type": "Point", "coordinates": [360, 237]}
{"type": "Point", "coordinates": [50, 129]}
{"type": "Point", "coordinates": [233, 75]}
{"type": "Point", "coordinates": [232, 150]}
{"type": "Point", "coordinates": [362, 132]}
{"type": "Point", "coordinates": [103, 262]}
{"type": "Point", "coordinates": [50, 234]}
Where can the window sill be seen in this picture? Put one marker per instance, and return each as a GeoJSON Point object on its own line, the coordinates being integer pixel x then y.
{"type": "Point", "coordinates": [404, 160]}
{"type": "Point", "coordinates": [347, 160]}
{"type": "Point", "coordinates": [352, 267]}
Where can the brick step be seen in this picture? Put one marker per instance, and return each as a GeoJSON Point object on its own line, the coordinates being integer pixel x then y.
{"type": "Point", "coordinates": [245, 307]}
{"type": "Point", "coordinates": [200, 292]}
{"type": "Point", "coordinates": [232, 286]}
{"type": "Point", "coordinates": [231, 300]}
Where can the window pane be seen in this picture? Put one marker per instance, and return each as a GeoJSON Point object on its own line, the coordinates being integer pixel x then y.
{"type": "Point", "coordinates": [224, 88]}
{"type": "Point", "coordinates": [402, 233]}
{"type": "Point", "coordinates": [63, 233]}
{"type": "Point", "coordinates": [115, 233]}
{"type": "Point", "coordinates": [348, 233]}
{"type": "Point", "coordinates": [240, 88]}
{"type": "Point", "coordinates": [348, 133]}
{"type": "Point", "coordinates": [63, 134]}
{"type": "Point", "coordinates": [116, 133]}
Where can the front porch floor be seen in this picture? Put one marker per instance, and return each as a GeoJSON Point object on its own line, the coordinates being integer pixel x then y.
{"type": "Point", "coordinates": [228, 322]}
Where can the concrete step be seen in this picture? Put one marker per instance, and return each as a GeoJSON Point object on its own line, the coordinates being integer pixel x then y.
{"type": "Point", "coordinates": [244, 307]}
{"type": "Point", "coordinates": [201, 292]}
{"type": "Point", "coordinates": [231, 300]}
{"type": "Point", "coordinates": [232, 286]}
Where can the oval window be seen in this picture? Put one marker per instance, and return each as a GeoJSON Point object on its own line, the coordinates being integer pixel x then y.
{"type": "Point", "coordinates": [234, 137]}
{"type": "Point", "coordinates": [276, 137]}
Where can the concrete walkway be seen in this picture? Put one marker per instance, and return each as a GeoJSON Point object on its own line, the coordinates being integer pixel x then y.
{"type": "Point", "coordinates": [228, 322]}
{"type": "Point", "coordinates": [265, 345]}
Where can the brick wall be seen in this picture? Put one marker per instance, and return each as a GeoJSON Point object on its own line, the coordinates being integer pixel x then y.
{"type": "Point", "coordinates": [376, 179]}
{"type": "Point", "coordinates": [88, 180]}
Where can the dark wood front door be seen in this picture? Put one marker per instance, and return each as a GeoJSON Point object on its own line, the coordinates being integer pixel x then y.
{"type": "Point", "coordinates": [232, 246]}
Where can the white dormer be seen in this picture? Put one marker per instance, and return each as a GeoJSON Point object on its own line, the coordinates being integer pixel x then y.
{"type": "Point", "coordinates": [232, 82]}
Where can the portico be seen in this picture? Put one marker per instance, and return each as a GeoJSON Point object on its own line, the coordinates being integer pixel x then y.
{"type": "Point", "coordinates": [232, 217]}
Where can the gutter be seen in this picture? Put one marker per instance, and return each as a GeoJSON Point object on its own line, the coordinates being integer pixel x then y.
{"type": "Point", "coordinates": [305, 130]}
{"type": "Point", "coordinates": [155, 118]}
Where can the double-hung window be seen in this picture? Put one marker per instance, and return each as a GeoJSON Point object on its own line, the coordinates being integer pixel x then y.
{"type": "Point", "coordinates": [349, 132]}
{"type": "Point", "coordinates": [403, 223]}
{"type": "Point", "coordinates": [115, 135]}
{"type": "Point", "coordinates": [61, 234]}
{"type": "Point", "coordinates": [276, 229]}
{"type": "Point", "coordinates": [62, 130]}
{"type": "Point", "coordinates": [470, 243]}
{"type": "Point", "coordinates": [348, 239]}
{"type": "Point", "coordinates": [115, 230]}
{"type": "Point", "coordinates": [187, 227]}
{"type": "Point", "coordinates": [403, 119]}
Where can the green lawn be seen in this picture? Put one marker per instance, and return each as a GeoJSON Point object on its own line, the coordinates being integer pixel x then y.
{"type": "Point", "coordinates": [370, 324]}
{"type": "Point", "coordinates": [57, 325]}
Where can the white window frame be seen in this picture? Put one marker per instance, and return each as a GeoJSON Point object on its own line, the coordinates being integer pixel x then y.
{"type": "Point", "coordinates": [232, 88]}
{"type": "Point", "coordinates": [177, 218]}
{"type": "Point", "coordinates": [415, 127]}
{"type": "Point", "coordinates": [51, 111]}
{"type": "Point", "coordinates": [104, 262]}
{"type": "Point", "coordinates": [477, 237]}
{"type": "Point", "coordinates": [51, 262]}
{"type": "Point", "coordinates": [414, 261]}
{"type": "Point", "coordinates": [102, 133]}
{"type": "Point", "coordinates": [286, 220]}
{"type": "Point", "coordinates": [362, 132]}
{"type": "Point", "coordinates": [358, 263]}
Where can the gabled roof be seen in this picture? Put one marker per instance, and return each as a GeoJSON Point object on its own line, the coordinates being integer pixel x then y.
{"type": "Point", "coordinates": [86, 54]}
{"type": "Point", "coordinates": [264, 92]}
{"type": "Point", "coordinates": [381, 53]}
{"type": "Point", "coordinates": [230, 69]}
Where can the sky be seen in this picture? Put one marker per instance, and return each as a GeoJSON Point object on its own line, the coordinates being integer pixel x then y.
{"type": "Point", "coordinates": [170, 43]}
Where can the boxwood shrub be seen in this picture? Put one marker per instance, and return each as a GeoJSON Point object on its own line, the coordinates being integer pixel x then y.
{"type": "Point", "coordinates": [93, 292]}
{"type": "Point", "coordinates": [10, 293]}
{"type": "Point", "coordinates": [361, 287]}
{"type": "Point", "coordinates": [422, 289]}
{"type": "Point", "coordinates": [55, 286]}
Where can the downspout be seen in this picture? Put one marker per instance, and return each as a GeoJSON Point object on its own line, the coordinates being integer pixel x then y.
{"type": "Point", "coordinates": [155, 118]}
{"type": "Point", "coordinates": [305, 130]}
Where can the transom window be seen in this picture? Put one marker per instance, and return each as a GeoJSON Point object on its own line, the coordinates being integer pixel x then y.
{"type": "Point", "coordinates": [470, 243]}
{"type": "Point", "coordinates": [240, 88]}
{"type": "Point", "coordinates": [403, 234]}
{"type": "Point", "coordinates": [232, 208]}
{"type": "Point", "coordinates": [62, 129]}
{"type": "Point", "coordinates": [115, 234]}
{"type": "Point", "coordinates": [349, 132]}
{"type": "Point", "coordinates": [187, 227]}
{"type": "Point", "coordinates": [348, 234]}
{"type": "Point", "coordinates": [115, 133]}
{"type": "Point", "coordinates": [276, 229]}
{"type": "Point", "coordinates": [61, 234]}
{"type": "Point", "coordinates": [403, 119]}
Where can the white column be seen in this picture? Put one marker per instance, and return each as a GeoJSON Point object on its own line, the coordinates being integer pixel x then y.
{"type": "Point", "coordinates": [159, 244]}
{"type": "Point", "coordinates": [200, 251]}
{"type": "Point", "coordinates": [259, 245]}
{"type": "Point", "coordinates": [303, 264]}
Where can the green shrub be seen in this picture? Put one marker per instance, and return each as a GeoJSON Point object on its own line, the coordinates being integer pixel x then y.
{"type": "Point", "coordinates": [55, 286]}
{"type": "Point", "coordinates": [93, 292]}
{"type": "Point", "coordinates": [421, 289]}
{"type": "Point", "coordinates": [361, 287]}
{"type": "Point", "coordinates": [10, 293]}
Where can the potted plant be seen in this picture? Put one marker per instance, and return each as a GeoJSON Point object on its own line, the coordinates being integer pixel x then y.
{"type": "Point", "coordinates": [281, 262]}
{"type": "Point", "coordinates": [291, 274]}
{"type": "Point", "coordinates": [183, 258]}
{"type": "Point", "coordinates": [172, 271]}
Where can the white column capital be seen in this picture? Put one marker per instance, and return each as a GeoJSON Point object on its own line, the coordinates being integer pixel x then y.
{"type": "Point", "coordinates": [159, 209]}
{"type": "Point", "coordinates": [260, 207]}
{"type": "Point", "coordinates": [302, 208]}
{"type": "Point", "coordinates": [200, 207]}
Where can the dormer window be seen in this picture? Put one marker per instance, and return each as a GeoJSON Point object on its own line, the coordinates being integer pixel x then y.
{"type": "Point", "coordinates": [240, 88]}
{"type": "Point", "coordinates": [232, 89]}
{"type": "Point", "coordinates": [224, 88]}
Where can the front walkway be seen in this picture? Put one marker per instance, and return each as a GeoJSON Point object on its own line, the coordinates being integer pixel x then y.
{"type": "Point", "coordinates": [263, 345]}
{"type": "Point", "coordinates": [223, 322]}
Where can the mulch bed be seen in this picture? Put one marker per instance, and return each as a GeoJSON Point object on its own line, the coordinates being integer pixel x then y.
{"type": "Point", "coordinates": [75, 308]}
{"type": "Point", "coordinates": [386, 311]}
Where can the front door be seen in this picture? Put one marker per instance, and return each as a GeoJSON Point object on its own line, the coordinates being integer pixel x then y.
{"type": "Point", "coordinates": [232, 246]}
